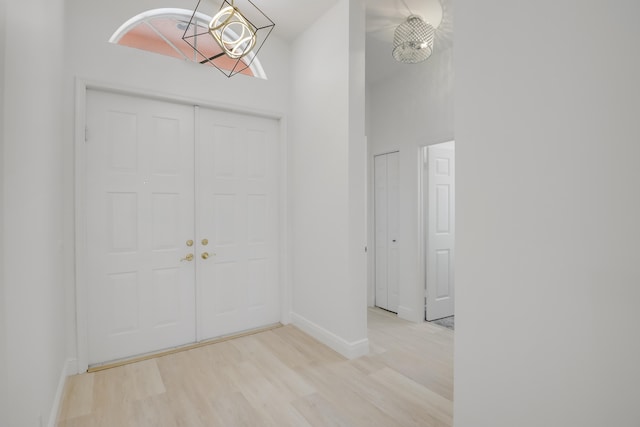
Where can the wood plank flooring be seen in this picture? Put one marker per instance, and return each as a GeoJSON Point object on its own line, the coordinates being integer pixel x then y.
{"type": "Point", "coordinates": [278, 378]}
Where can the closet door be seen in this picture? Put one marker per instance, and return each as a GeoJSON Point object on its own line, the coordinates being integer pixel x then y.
{"type": "Point", "coordinates": [139, 218]}
{"type": "Point", "coordinates": [237, 225]}
{"type": "Point", "coordinates": [386, 177]}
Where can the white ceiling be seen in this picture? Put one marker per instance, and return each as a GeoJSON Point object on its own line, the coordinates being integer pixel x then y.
{"type": "Point", "coordinates": [293, 16]}
{"type": "Point", "coordinates": [382, 17]}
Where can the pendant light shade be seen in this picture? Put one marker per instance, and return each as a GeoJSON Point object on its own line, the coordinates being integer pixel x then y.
{"type": "Point", "coordinates": [413, 40]}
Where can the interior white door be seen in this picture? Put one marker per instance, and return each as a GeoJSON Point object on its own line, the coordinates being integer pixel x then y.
{"type": "Point", "coordinates": [237, 215]}
{"type": "Point", "coordinates": [440, 235]}
{"type": "Point", "coordinates": [387, 186]}
{"type": "Point", "coordinates": [139, 216]}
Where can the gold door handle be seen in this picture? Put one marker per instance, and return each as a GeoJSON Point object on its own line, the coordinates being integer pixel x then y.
{"type": "Point", "coordinates": [189, 258]}
{"type": "Point", "coordinates": [206, 255]}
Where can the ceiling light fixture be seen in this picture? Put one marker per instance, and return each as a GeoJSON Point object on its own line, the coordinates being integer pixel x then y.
{"type": "Point", "coordinates": [238, 36]}
{"type": "Point", "coordinates": [235, 35]}
{"type": "Point", "coordinates": [413, 40]}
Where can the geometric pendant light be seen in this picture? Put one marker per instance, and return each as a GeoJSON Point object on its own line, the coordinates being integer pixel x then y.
{"type": "Point", "coordinates": [233, 33]}
{"type": "Point", "coordinates": [227, 36]}
{"type": "Point", "coordinates": [413, 40]}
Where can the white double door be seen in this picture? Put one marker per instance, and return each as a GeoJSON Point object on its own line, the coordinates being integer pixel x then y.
{"type": "Point", "coordinates": [181, 210]}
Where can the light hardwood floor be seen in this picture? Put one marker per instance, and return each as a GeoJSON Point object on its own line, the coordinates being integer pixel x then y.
{"type": "Point", "coordinates": [278, 378]}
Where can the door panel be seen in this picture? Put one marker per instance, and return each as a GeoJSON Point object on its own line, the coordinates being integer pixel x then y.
{"type": "Point", "coordinates": [237, 212]}
{"type": "Point", "coordinates": [139, 211]}
{"type": "Point", "coordinates": [393, 227]}
{"type": "Point", "coordinates": [440, 251]}
{"type": "Point", "coordinates": [387, 228]}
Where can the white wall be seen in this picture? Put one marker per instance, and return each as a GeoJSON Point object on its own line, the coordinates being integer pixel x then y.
{"type": "Point", "coordinates": [548, 259]}
{"type": "Point", "coordinates": [32, 235]}
{"type": "Point", "coordinates": [327, 188]}
{"type": "Point", "coordinates": [408, 110]}
{"type": "Point", "coordinates": [89, 56]}
{"type": "Point", "coordinates": [357, 207]}
{"type": "Point", "coordinates": [3, 339]}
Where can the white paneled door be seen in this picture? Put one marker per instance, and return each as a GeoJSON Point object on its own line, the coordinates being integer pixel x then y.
{"type": "Point", "coordinates": [440, 235]}
{"type": "Point", "coordinates": [139, 212]}
{"type": "Point", "coordinates": [237, 214]}
{"type": "Point", "coordinates": [181, 224]}
{"type": "Point", "coordinates": [386, 184]}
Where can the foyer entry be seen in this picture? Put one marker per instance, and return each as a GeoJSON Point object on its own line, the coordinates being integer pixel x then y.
{"type": "Point", "coordinates": [181, 206]}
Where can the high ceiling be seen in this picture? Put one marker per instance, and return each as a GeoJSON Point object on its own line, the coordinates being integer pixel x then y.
{"type": "Point", "coordinates": [293, 16]}
{"type": "Point", "coordinates": [383, 16]}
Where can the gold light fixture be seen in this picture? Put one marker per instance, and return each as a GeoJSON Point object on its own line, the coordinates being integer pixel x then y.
{"type": "Point", "coordinates": [235, 35]}
{"type": "Point", "coordinates": [227, 36]}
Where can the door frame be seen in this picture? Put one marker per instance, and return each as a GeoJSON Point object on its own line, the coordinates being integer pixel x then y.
{"type": "Point", "coordinates": [423, 214]}
{"type": "Point", "coordinates": [371, 224]}
{"type": "Point", "coordinates": [80, 240]}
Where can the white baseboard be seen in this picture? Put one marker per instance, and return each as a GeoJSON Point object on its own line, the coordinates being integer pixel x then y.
{"type": "Point", "coordinates": [409, 314]}
{"type": "Point", "coordinates": [350, 350]}
{"type": "Point", "coordinates": [70, 368]}
{"type": "Point", "coordinates": [286, 318]}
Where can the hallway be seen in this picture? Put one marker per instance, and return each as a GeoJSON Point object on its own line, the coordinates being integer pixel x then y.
{"type": "Point", "coordinates": [278, 378]}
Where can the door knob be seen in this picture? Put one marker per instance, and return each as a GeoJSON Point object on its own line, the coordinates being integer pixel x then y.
{"type": "Point", "coordinates": [206, 255]}
{"type": "Point", "coordinates": [189, 258]}
{"type": "Point", "coordinates": [189, 243]}
{"type": "Point", "coordinates": [205, 242]}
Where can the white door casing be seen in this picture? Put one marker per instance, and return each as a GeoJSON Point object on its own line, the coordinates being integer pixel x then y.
{"type": "Point", "coordinates": [153, 184]}
{"type": "Point", "coordinates": [139, 212]}
{"type": "Point", "coordinates": [440, 230]}
{"type": "Point", "coordinates": [237, 186]}
{"type": "Point", "coordinates": [380, 221]}
{"type": "Point", "coordinates": [386, 219]}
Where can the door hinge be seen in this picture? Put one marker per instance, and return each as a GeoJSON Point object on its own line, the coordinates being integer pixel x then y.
{"type": "Point", "coordinates": [86, 134]}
